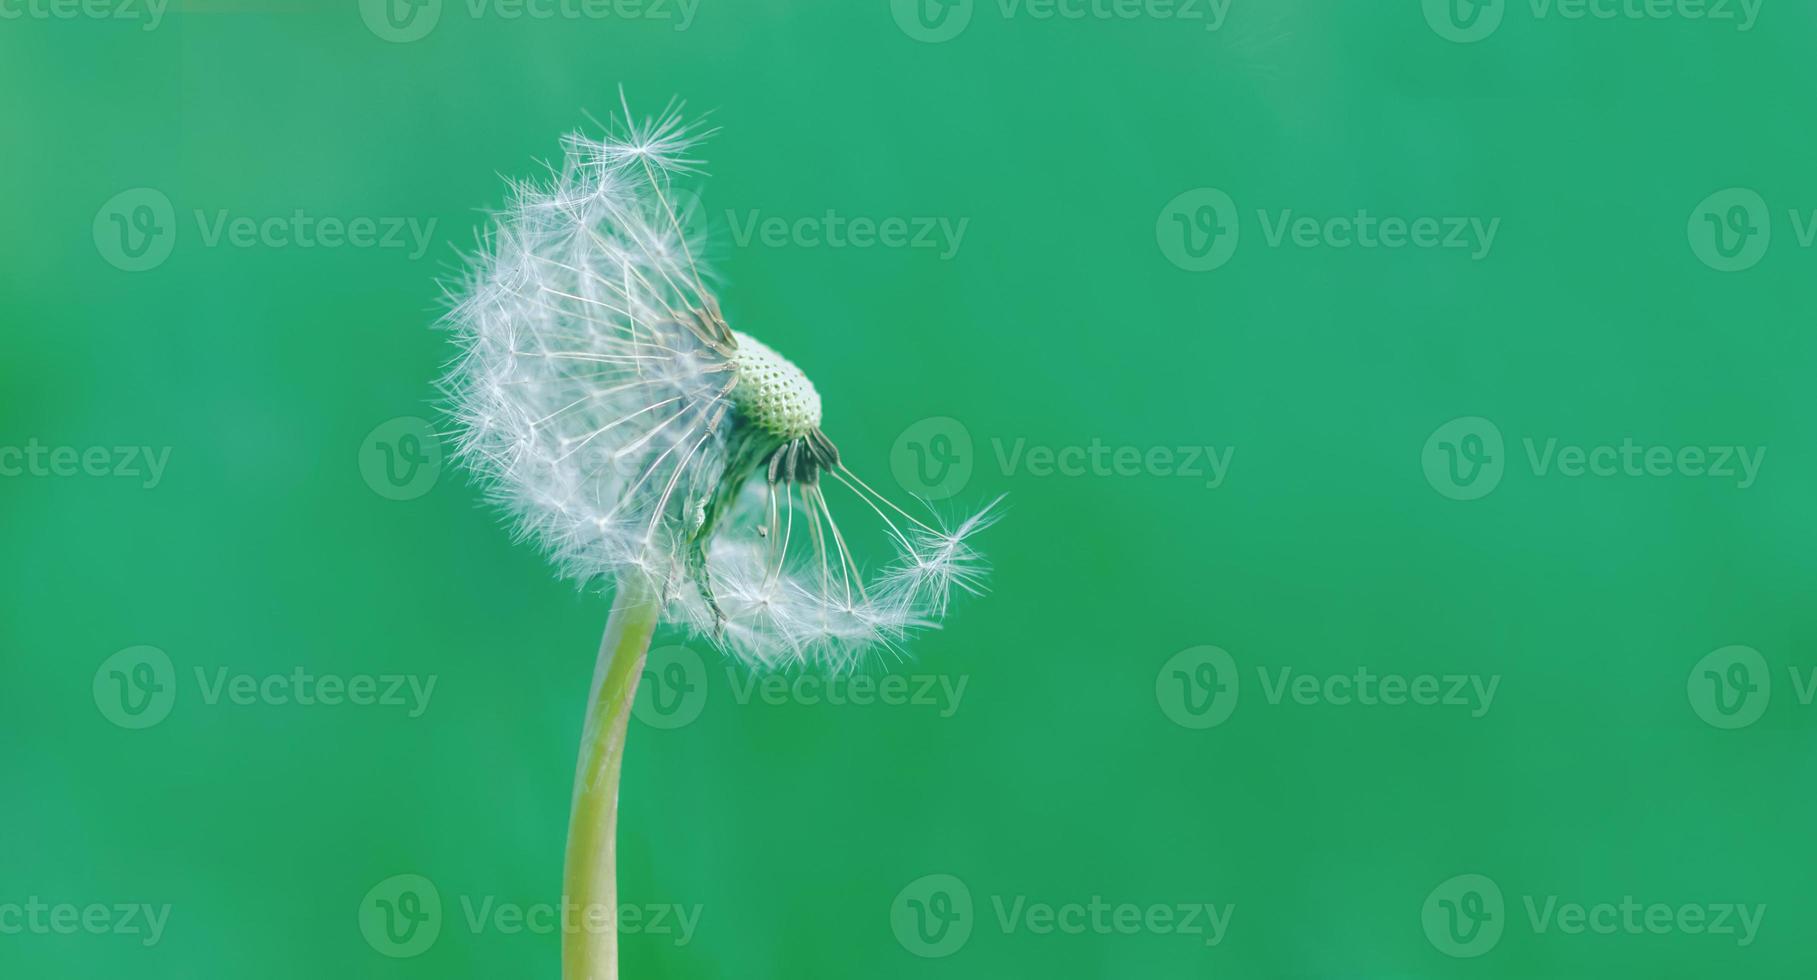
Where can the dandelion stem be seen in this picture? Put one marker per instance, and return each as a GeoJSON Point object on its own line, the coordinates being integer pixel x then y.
{"type": "Point", "coordinates": [590, 945]}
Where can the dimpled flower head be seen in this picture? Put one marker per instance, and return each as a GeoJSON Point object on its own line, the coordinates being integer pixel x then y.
{"type": "Point", "coordinates": [606, 404]}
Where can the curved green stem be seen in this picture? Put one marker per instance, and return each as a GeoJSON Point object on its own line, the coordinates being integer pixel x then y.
{"type": "Point", "coordinates": [590, 885]}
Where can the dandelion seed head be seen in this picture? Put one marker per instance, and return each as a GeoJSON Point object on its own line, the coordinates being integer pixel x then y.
{"type": "Point", "coordinates": [604, 403]}
{"type": "Point", "coordinates": [772, 392]}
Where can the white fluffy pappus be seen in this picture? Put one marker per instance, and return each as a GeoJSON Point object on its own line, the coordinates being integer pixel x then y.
{"type": "Point", "coordinates": [606, 406]}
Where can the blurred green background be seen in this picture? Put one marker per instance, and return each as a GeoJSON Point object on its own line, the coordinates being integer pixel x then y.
{"type": "Point", "coordinates": [1649, 182]}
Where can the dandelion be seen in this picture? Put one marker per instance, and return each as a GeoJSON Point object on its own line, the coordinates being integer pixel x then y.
{"type": "Point", "coordinates": [606, 405]}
